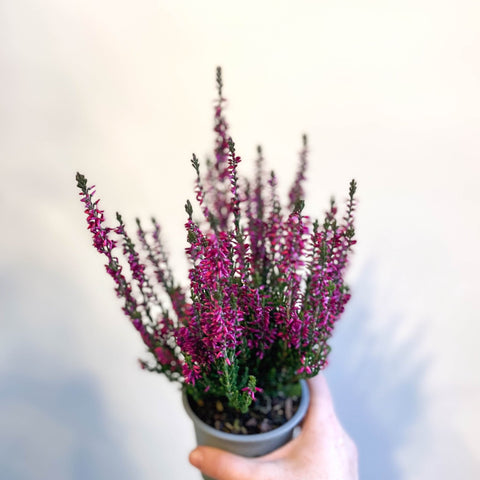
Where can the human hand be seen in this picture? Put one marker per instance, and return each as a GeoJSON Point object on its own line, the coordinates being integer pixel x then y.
{"type": "Point", "coordinates": [322, 451]}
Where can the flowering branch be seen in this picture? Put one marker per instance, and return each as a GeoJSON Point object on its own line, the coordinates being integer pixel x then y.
{"type": "Point", "coordinates": [266, 284]}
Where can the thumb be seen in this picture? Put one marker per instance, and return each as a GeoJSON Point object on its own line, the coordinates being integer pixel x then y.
{"type": "Point", "coordinates": [222, 465]}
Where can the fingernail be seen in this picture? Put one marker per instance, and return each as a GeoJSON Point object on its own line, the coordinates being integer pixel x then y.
{"type": "Point", "coordinates": [196, 458]}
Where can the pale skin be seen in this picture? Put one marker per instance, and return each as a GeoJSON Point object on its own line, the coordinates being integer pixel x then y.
{"type": "Point", "coordinates": [322, 451]}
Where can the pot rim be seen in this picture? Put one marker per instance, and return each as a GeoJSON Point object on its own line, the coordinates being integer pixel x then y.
{"type": "Point", "coordinates": [241, 438]}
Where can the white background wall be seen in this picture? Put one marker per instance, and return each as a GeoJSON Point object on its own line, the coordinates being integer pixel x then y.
{"type": "Point", "coordinates": [122, 91]}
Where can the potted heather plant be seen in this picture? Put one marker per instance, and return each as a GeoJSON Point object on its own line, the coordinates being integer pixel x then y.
{"type": "Point", "coordinates": [265, 289]}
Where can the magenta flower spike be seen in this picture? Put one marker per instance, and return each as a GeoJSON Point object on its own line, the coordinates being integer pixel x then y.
{"type": "Point", "coordinates": [265, 285]}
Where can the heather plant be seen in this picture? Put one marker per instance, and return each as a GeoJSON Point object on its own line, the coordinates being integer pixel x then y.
{"type": "Point", "coordinates": [266, 284]}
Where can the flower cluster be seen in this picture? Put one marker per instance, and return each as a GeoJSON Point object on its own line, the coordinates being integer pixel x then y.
{"type": "Point", "coordinates": [266, 284]}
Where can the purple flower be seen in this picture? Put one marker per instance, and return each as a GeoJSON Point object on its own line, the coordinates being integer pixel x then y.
{"type": "Point", "coordinates": [265, 284]}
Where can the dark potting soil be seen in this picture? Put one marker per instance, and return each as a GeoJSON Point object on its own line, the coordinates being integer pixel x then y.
{"type": "Point", "coordinates": [265, 414]}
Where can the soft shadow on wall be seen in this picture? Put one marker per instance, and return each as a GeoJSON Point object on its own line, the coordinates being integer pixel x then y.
{"type": "Point", "coordinates": [57, 428]}
{"type": "Point", "coordinates": [375, 381]}
{"type": "Point", "coordinates": [53, 420]}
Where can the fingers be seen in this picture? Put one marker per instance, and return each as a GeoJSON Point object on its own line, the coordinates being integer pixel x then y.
{"type": "Point", "coordinates": [321, 403]}
{"type": "Point", "coordinates": [321, 412]}
{"type": "Point", "coordinates": [222, 465]}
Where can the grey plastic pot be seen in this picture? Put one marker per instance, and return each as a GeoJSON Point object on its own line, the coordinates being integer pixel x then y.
{"type": "Point", "coordinates": [248, 445]}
